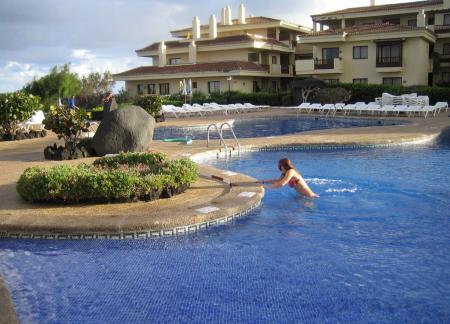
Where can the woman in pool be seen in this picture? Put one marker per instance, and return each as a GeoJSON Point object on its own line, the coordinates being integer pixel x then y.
{"type": "Point", "coordinates": [290, 176]}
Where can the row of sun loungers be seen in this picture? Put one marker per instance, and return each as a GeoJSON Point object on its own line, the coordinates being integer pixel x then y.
{"type": "Point", "coordinates": [361, 108]}
{"type": "Point", "coordinates": [209, 109]}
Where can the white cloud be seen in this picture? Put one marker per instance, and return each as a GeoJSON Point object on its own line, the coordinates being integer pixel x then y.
{"type": "Point", "coordinates": [14, 75]}
{"type": "Point", "coordinates": [82, 54]}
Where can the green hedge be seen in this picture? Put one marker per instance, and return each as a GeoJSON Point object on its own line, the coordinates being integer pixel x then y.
{"type": "Point", "coordinates": [368, 93]}
{"type": "Point", "coordinates": [126, 177]}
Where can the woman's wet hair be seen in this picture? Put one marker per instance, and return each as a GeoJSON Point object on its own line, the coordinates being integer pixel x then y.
{"type": "Point", "coordinates": [286, 164]}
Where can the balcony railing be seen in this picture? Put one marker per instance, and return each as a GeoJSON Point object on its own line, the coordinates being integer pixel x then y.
{"type": "Point", "coordinates": [266, 66]}
{"type": "Point", "coordinates": [444, 58]}
{"type": "Point", "coordinates": [389, 61]}
{"type": "Point", "coordinates": [323, 64]}
{"type": "Point", "coordinates": [441, 29]}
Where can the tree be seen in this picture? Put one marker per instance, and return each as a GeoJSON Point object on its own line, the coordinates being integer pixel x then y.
{"type": "Point", "coordinates": [59, 83]}
{"type": "Point", "coordinates": [308, 86]}
{"type": "Point", "coordinates": [92, 87]}
{"type": "Point", "coordinates": [15, 108]}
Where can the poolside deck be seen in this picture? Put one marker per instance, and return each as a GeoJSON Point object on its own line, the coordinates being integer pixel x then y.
{"type": "Point", "coordinates": [165, 216]}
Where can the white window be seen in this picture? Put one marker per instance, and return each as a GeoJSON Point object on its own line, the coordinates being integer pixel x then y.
{"type": "Point", "coordinates": [214, 86]}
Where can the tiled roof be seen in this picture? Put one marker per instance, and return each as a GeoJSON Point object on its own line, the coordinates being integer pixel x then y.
{"type": "Point", "coordinates": [217, 41]}
{"type": "Point", "coordinates": [226, 66]}
{"type": "Point", "coordinates": [171, 44]}
{"type": "Point", "coordinates": [248, 20]}
{"type": "Point", "coordinates": [365, 29]}
{"type": "Point", "coordinates": [405, 5]}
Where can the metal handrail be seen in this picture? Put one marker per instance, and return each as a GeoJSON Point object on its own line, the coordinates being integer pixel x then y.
{"type": "Point", "coordinates": [232, 133]}
{"type": "Point", "coordinates": [222, 141]}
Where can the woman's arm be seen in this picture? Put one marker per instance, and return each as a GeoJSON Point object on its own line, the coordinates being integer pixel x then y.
{"type": "Point", "coordinates": [284, 180]}
{"type": "Point", "coordinates": [271, 180]}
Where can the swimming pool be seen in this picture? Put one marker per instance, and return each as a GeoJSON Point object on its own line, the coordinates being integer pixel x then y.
{"type": "Point", "coordinates": [264, 127]}
{"type": "Point", "coordinates": [373, 248]}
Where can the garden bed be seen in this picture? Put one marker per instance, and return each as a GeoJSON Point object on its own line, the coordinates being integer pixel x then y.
{"type": "Point", "coordinates": [128, 177]}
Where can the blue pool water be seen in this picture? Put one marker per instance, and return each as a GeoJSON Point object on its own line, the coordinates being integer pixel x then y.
{"type": "Point", "coordinates": [264, 127]}
{"type": "Point", "coordinates": [374, 248]}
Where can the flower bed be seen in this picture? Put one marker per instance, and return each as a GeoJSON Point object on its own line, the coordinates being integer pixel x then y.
{"type": "Point", "coordinates": [124, 178]}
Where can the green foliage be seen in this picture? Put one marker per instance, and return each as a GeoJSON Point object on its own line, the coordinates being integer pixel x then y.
{"type": "Point", "coordinates": [151, 104]}
{"type": "Point", "coordinates": [331, 96]}
{"type": "Point", "coordinates": [15, 108]}
{"type": "Point", "coordinates": [368, 93]}
{"type": "Point", "coordinates": [121, 178]}
{"type": "Point", "coordinates": [124, 98]}
{"type": "Point", "coordinates": [93, 86]}
{"type": "Point", "coordinates": [68, 124]}
{"type": "Point", "coordinates": [59, 83]}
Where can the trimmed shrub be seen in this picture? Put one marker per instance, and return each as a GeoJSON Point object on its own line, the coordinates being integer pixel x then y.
{"type": "Point", "coordinates": [368, 93]}
{"type": "Point", "coordinates": [331, 96]}
{"type": "Point", "coordinates": [126, 177]}
{"type": "Point", "coordinates": [151, 104]}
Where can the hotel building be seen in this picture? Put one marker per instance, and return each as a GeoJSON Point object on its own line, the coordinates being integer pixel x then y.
{"type": "Point", "coordinates": [395, 44]}
{"type": "Point", "coordinates": [246, 54]}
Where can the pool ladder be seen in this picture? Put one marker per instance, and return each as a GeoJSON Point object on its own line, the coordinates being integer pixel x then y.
{"type": "Point", "coordinates": [220, 130]}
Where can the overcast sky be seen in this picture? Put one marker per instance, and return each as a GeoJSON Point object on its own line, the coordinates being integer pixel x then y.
{"type": "Point", "coordinates": [99, 35]}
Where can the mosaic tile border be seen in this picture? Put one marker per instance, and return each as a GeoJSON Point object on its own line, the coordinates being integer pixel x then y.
{"type": "Point", "coordinates": [152, 234]}
{"type": "Point", "coordinates": [205, 156]}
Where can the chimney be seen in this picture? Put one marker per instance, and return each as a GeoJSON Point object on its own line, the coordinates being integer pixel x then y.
{"type": "Point", "coordinates": [223, 16]}
{"type": "Point", "coordinates": [212, 27]}
{"type": "Point", "coordinates": [372, 3]}
{"type": "Point", "coordinates": [228, 19]}
{"type": "Point", "coordinates": [196, 28]}
{"type": "Point", "coordinates": [421, 19]}
{"type": "Point", "coordinates": [192, 53]}
{"type": "Point", "coordinates": [162, 59]}
{"type": "Point", "coordinates": [242, 14]}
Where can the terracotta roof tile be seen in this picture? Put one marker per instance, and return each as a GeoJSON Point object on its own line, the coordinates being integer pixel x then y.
{"type": "Point", "coordinates": [365, 29]}
{"type": "Point", "coordinates": [248, 20]}
{"type": "Point", "coordinates": [217, 41]}
{"type": "Point", "coordinates": [225, 67]}
{"type": "Point", "coordinates": [405, 5]}
{"type": "Point", "coordinates": [171, 44]}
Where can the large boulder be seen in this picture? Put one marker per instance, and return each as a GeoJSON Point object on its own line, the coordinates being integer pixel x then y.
{"type": "Point", "coordinates": [124, 130]}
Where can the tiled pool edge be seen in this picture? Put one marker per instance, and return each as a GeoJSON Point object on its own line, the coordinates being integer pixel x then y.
{"type": "Point", "coordinates": [142, 234]}
{"type": "Point", "coordinates": [207, 155]}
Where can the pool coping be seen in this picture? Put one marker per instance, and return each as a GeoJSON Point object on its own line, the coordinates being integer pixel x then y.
{"type": "Point", "coordinates": [344, 138]}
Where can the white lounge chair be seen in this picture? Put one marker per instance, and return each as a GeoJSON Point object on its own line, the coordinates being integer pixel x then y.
{"type": "Point", "coordinates": [327, 109]}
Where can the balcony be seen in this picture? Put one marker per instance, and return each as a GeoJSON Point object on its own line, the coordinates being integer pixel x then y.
{"type": "Point", "coordinates": [444, 58]}
{"type": "Point", "coordinates": [441, 29]}
{"type": "Point", "coordinates": [389, 61]}
{"type": "Point", "coordinates": [323, 64]}
{"type": "Point", "coordinates": [279, 69]}
{"type": "Point", "coordinates": [319, 66]}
